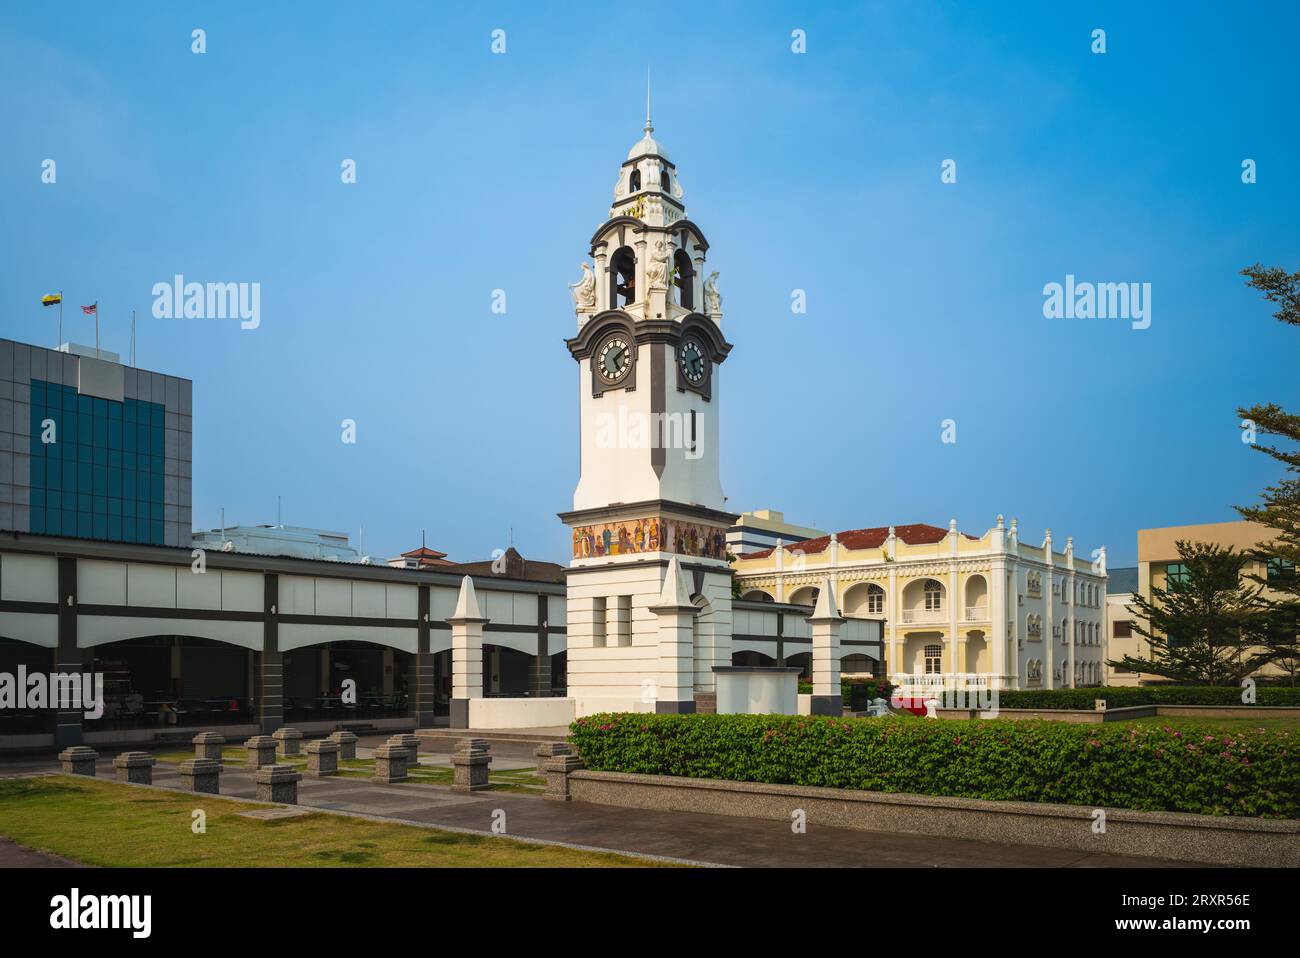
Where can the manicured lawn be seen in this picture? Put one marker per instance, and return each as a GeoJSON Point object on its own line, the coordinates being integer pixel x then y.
{"type": "Point", "coordinates": [112, 825]}
{"type": "Point", "coordinates": [517, 780]}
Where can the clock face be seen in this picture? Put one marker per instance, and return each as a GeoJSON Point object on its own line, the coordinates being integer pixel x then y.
{"type": "Point", "coordinates": [694, 365]}
{"type": "Point", "coordinates": [614, 361]}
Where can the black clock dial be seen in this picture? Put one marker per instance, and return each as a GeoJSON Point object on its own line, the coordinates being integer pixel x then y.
{"type": "Point", "coordinates": [614, 360]}
{"type": "Point", "coordinates": [693, 362]}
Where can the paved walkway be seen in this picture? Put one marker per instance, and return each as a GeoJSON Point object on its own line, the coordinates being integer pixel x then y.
{"type": "Point", "coordinates": [712, 839]}
{"type": "Point", "coordinates": [13, 855]}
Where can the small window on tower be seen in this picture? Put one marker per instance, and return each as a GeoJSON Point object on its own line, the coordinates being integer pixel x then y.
{"type": "Point", "coordinates": [684, 279]}
{"type": "Point", "coordinates": [622, 278]}
{"type": "Point", "coordinates": [664, 180]}
{"type": "Point", "coordinates": [634, 180]}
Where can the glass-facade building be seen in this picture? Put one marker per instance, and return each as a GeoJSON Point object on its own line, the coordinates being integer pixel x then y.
{"type": "Point", "coordinates": [96, 466]}
{"type": "Point", "coordinates": [93, 449]}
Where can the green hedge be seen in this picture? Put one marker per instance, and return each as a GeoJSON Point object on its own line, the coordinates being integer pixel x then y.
{"type": "Point", "coordinates": [1144, 767]}
{"type": "Point", "coordinates": [1120, 697]}
{"type": "Point", "coordinates": [858, 693]}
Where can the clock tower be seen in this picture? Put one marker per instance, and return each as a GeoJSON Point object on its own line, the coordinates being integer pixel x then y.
{"type": "Point", "coordinates": [649, 586]}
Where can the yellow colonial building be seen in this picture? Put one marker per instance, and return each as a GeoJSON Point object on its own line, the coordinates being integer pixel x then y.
{"type": "Point", "coordinates": [957, 610]}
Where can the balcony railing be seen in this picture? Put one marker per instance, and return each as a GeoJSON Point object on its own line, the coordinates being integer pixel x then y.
{"type": "Point", "coordinates": [920, 684]}
{"type": "Point", "coordinates": [977, 613]}
{"type": "Point", "coordinates": [913, 616]}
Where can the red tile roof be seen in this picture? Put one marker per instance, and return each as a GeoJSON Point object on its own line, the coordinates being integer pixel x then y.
{"type": "Point", "coordinates": [915, 534]}
{"type": "Point", "coordinates": [426, 557]}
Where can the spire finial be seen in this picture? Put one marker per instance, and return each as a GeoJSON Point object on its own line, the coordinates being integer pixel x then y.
{"type": "Point", "coordinates": [648, 128]}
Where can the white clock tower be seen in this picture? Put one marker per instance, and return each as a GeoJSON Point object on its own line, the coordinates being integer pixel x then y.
{"type": "Point", "coordinates": [649, 587]}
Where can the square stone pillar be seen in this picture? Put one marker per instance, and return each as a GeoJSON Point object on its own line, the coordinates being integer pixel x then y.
{"type": "Point", "coordinates": [539, 672]}
{"type": "Point", "coordinates": [269, 690]}
{"type": "Point", "coordinates": [78, 760]}
{"type": "Point", "coordinates": [289, 740]}
{"type": "Point", "coordinates": [347, 743]}
{"type": "Point", "coordinates": [135, 768]}
{"type": "Point", "coordinates": [424, 692]}
{"type": "Point", "coordinates": [277, 783]}
{"type": "Point", "coordinates": [208, 745]}
{"type": "Point", "coordinates": [261, 751]}
{"type": "Point", "coordinates": [322, 758]}
{"type": "Point", "coordinates": [825, 622]}
{"type": "Point", "coordinates": [555, 760]}
{"type": "Point", "coordinates": [412, 745]}
{"type": "Point", "coordinates": [466, 653]}
{"type": "Point", "coordinates": [390, 763]}
{"type": "Point", "coordinates": [68, 658]}
{"type": "Point", "coordinates": [201, 775]}
{"type": "Point", "coordinates": [470, 764]}
{"type": "Point", "coordinates": [676, 612]}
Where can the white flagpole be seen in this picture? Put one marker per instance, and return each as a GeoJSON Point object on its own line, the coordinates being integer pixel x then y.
{"type": "Point", "coordinates": [60, 342]}
{"type": "Point", "coordinates": [133, 337]}
{"type": "Point", "coordinates": [97, 331]}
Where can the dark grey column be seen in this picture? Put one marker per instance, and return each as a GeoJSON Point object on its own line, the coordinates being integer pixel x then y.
{"type": "Point", "coordinates": [425, 674]}
{"type": "Point", "coordinates": [540, 673]}
{"type": "Point", "coordinates": [270, 677]}
{"type": "Point", "coordinates": [67, 657]}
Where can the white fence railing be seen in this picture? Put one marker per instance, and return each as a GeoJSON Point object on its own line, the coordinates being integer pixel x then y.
{"type": "Point", "coordinates": [913, 616]}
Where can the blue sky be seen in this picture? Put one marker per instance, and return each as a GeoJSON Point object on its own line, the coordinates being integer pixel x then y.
{"type": "Point", "coordinates": [817, 171]}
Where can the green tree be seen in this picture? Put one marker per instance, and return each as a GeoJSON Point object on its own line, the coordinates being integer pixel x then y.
{"type": "Point", "coordinates": [1279, 506]}
{"type": "Point", "coordinates": [1206, 625]}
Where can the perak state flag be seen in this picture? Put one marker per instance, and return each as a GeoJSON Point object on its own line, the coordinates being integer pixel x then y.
{"type": "Point", "coordinates": [51, 299]}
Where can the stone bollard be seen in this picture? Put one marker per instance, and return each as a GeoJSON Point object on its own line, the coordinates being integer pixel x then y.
{"type": "Point", "coordinates": [347, 745]}
{"type": "Point", "coordinates": [470, 764]}
{"type": "Point", "coordinates": [390, 763]}
{"type": "Point", "coordinates": [322, 758]}
{"type": "Point", "coordinates": [78, 760]}
{"type": "Point", "coordinates": [261, 751]}
{"type": "Point", "coordinates": [277, 783]}
{"type": "Point", "coordinates": [201, 775]}
{"type": "Point", "coordinates": [409, 742]}
{"type": "Point", "coordinates": [289, 739]}
{"type": "Point", "coordinates": [555, 760]}
{"type": "Point", "coordinates": [208, 745]}
{"type": "Point", "coordinates": [135, 768]}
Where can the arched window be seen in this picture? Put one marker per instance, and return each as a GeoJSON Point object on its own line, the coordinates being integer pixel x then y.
{"type": "Point", "coordinates": [634, 180]}
{"type": "Point", "coordinates": [684, 279]}
{"type": "Point", "coordinates": [664, 180]}
{"type": "Point", "coordinates": [622, 278]}
{"type": "Point", "coordinates": [933, 659]}
{"type": "Point", "coordinates": [933, 596]}
{"type": "Point", "coordinates": [875, 600]}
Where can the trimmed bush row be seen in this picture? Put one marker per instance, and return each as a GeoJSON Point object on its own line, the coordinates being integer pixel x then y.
{"type": "Point", "coordinates": [1144, 767]}
{"type": "Point", "coordinates": [1120, 697]}
{"type": "Point", "coordinates": [858, 693]}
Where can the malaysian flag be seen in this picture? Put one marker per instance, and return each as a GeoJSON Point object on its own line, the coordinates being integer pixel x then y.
{"type": "Point", "coordinates": [92, 308]}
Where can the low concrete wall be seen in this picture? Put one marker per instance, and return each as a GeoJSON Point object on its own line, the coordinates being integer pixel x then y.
{"type": "Point", "coordinates": [1230, 711]}
{"type": "Point", "coordinates": [1172, 835]}
{"type": "Point", "coordinates": [520, 713]}
{"type": "Point", "coordinates": [1075, 716]}
{"type": "Point", "coordinates": [1090, 717]}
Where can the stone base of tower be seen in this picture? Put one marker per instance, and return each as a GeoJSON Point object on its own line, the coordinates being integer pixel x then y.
{"type": "Point", "coordinates": [632, 650]}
